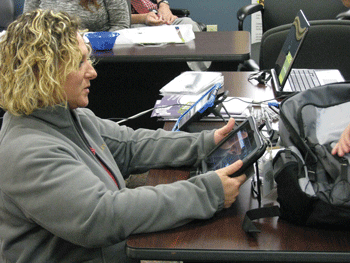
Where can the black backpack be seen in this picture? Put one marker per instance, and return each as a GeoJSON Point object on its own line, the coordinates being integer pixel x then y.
{"type": "Point", "coordinates": [312, 185]}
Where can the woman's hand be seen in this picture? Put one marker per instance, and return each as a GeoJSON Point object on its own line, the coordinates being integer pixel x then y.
{"type": "Point", "coordinates": [343, 145]}
{"type": "Point", "coordinates": [222, 132]}
{"type": "Point", "coordinates": [231, 185]}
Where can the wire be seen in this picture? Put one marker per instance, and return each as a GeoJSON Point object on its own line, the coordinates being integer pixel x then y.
{"type": "Point", "coordinates": [253, 102]}
{"type": "Point", "coordinates": [142, 113]}
{"type": "Point", "coordinates": [121, 120]}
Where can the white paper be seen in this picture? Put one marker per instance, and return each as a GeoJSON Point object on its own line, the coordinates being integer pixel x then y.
{"type": "Point", "coordinates": [192, 82]}
{"type": "Point", "coordinates": [154, 35]}
{"type": "Point", "coordinates": [2, 33]}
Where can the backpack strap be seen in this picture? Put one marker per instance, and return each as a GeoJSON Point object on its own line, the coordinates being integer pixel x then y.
{"type": "Point", "coordinates": [258, 213]}
{"type": "Point", "coordinates": [283, 160]}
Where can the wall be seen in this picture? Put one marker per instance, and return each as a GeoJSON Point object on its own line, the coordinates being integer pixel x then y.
{"type": "Point", "coordinates": [214, 12]}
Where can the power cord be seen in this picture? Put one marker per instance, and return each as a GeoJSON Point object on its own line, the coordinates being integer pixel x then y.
{"type": "Point", "coordinates": [143, 112]}
{"type": "Point", "coordinates": [262, 77]}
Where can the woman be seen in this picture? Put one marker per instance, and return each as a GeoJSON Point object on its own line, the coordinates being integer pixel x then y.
{"type": "Point", "coordinates": [62, 189]}
{"type": "Point", "coordinates": [95, 15]}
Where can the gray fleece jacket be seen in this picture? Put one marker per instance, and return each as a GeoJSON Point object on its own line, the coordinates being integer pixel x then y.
{"type": "Point", "coordinates": [58, 203]}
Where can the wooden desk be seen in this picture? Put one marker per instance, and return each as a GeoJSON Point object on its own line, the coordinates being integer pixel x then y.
{"type": "Point", "coordinates": [130, 76]}
{"type": "Point", "coordinates": [222, 237]}
{"type": "Point", "coordinates": [231, 46]}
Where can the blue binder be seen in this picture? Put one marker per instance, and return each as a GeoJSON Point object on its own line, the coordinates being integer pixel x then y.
{"type": "Point", "coordinates": [198, 109]}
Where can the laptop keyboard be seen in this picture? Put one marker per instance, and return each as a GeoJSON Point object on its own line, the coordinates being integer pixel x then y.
{"type": "Point", "coordinates": [302, 79]}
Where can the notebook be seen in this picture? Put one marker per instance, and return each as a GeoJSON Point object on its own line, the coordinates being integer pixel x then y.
{"type": "Point", "coordinates": [286, 80]}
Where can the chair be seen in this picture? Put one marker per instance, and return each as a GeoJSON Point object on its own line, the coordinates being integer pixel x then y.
{"type": "Point", "coordinates": [276, 12]}
{"type": "Point", "coordinates": [18, 4]}
{"type": "Point", "coordinates": [326, 46]}
{"type": "Point", "coordinates": [7, 13]}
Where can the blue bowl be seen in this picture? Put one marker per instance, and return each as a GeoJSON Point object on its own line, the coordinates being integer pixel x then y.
{"type": "Point", "coordinates": [102, 40]}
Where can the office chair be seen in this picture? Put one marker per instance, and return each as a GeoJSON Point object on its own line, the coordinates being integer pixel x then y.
{"type": "Point", "coordinates": [7, 13]}
{"type": "Point", "coordinates": [344, 15]}
{"type": "Point", "coordinates": [18, 4]}
{"type": "Point", "coordinates": [326, 46]}
{"type": "Point", "coordinates": [276, 12]}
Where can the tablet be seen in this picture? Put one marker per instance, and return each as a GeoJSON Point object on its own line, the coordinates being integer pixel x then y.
{"type": "Point", "coordinates": [198, 109]}
{"type": "Point", "coordinates": [243, 143]}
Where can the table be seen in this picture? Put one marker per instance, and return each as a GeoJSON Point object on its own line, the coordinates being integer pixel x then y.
{"type": "Point", "coordinates": [130, 76]}
{"type": "Point", "coordinates": [222, 237]}
{"type": "Point", "coordinates": [230, 46]}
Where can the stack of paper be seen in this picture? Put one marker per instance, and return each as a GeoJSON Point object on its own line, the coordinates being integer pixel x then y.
{"type": "Point", "coordinates": [170, 107]}
{"type": "Point", "coordinates": [154, 35]}
{"type": "Point", "coordinates": [157, 34]}
{"type": "Point", "coordinates": [192, 82]}
{"type": "Point", "coordinates": [186, 89]}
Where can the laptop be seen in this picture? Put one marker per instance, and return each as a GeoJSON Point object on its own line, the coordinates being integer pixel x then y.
{"type": "Point", "coordinates": [287, 81]}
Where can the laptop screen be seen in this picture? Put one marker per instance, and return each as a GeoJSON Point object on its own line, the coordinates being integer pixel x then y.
{"type": "Point", "coordinates": [295, 37]}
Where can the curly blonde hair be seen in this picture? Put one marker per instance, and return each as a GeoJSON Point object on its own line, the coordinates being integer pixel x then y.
{"type": "Point", "coordinates": [37, 53]}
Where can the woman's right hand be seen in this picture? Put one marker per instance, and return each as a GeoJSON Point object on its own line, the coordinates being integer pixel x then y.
{"type": "Point", "coordinates": [231, 185]}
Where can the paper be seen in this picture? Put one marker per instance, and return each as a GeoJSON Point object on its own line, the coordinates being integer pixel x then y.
{"type": "Point", "coordinates": [192, 82]}
{"type": "Point", "coordinates": [154, 35]}
{"type": "Point", "coordinates": [2, 33]}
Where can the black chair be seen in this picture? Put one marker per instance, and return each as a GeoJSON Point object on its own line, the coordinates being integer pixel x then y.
{"type": "Point", "coordinates": [7, 13]}
{"type": "Point", "coordinates": [18, 4]}
{"type": "Point", "coordinates": [277, 12]}
{"type": "Point", "coordinates": [326, 46]}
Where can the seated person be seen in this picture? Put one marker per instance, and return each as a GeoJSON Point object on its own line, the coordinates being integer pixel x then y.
{"type": "Point", "coordinates": [343, 145]}
{"type": "Point", "coordinates": [142, 15]}
{"type": "Point", "coordinates": [95, 15]}
{"type": "Point", "coordinates": [62, 182]}
{"type": "Point", "coordinates": [346, 3]}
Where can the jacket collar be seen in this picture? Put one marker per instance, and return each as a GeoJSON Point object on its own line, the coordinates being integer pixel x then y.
{"type": "Point", "coordinates": [59, 115]}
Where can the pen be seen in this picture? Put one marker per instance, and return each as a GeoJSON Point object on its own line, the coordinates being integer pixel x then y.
{"type": "Point", "coordinates": [179, 33]}
{"type": "Point", "coordinates": [274, 104]}
{"type": "Point", "coordinates": [275, 109]}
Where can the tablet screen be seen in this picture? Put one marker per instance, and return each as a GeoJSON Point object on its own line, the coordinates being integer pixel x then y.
{"type": "Point", "coordinates": [240, 144]}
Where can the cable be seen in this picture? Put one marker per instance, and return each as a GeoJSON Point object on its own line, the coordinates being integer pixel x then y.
{"type": "Point", "coordinates": [121, 120]}
{"type": "Point", "coordinates": [263, 77]}
{"type": "Point", "coordinates": [143, 112]}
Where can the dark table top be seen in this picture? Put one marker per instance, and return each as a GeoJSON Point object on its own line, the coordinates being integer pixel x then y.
{"type": "Point", "coordinates": [207, 46]}
{"type": "Point", "coordinates": [222, 237]}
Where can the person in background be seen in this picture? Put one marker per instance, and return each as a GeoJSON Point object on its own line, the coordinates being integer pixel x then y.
{"type": "Point", "coordinates": [95, 15]}
{"type": "Point", "coordinates": [343, 145]}
{"type": "Point", "coordinates": [63, 195]}
{"type": "Point", "coordinates": [346, 3]}
{"type": "Point", "coordinates": [147, 13]}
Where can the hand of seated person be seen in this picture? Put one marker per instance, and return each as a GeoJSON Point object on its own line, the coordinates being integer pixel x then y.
{"type": "Point", "coordinates": [231, 185]}
{"type": "Point", "coordinates": [152, 19]}
{"type": "Point", "coordinates": [165, 13]}
{"type": "Point", "coordinates": [343, 145]}
{"type": "Point", "coordinates": [224, 131]}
